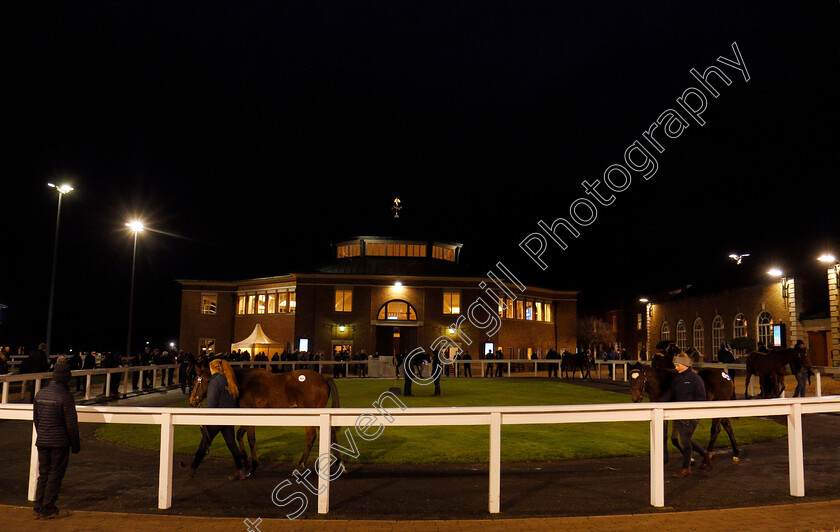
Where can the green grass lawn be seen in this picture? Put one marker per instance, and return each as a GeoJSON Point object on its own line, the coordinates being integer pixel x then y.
{"type": "Point", "coordinates": [466, 444]}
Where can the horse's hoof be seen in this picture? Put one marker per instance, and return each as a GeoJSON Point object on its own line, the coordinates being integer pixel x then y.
{"type": "Point", "coordinates": [735, 459]}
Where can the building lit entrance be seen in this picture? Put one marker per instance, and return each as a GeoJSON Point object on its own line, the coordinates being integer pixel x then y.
{"type": "Point", "coordinates": [392, 340]}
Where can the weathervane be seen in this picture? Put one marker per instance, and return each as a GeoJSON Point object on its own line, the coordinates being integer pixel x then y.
{"type": "Point", "coordinates": [738, 258]}
{"type": "Point", "coordinates": [396, 208]}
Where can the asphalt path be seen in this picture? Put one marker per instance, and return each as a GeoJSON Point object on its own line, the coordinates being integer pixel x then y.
{"type": "Point", "coordinates": [112, 478]}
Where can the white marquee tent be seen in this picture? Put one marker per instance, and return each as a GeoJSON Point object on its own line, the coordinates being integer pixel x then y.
{"type": "Point", "coordinates": [257, 342]}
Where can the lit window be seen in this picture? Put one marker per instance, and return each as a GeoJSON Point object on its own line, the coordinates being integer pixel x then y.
{"type": "Point", "coordinates": [665, 332]}
{"type": "Point", "coordinates": [529, 310]}
{"type": "Point", "coordinates": [520, 310]}
{"type": "Point", "coordinates": [343, 300]}
{"type": "Point", "coordinates": [397, 310]}
{"type": "Point", "coordinates": [281, 302]}
{"type": "Point", "coordinates": [538, 311]}
{"type": "Point", "coordinates": [208, 303]}
{"type": "Point", "coordinates": [509, 310]}
{"type": "Point", "coordinates": [451, 302]}
{"type": "Point", "coordinates": [251, 304]}
{"type": "Point", "coordinates": [240, 305]}
{"type": "Point", "coordinates": [292, 302]}
{"type": "Point", "coordinates": [547, 311]}
{"type": "Point", "coordinates": [261, 304]}
{"type": "Point", "coordinates": [272, 303]}
{"type": "Point", "coordinates": [639, 321]}
{"type": "Point", "coordinates": [501, 307]}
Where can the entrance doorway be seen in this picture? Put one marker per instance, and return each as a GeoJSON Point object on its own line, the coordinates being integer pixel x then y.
{"type": "Point", "coordinates": [393, 340]}
{"type": "Point", "coordinates": [818, 348]}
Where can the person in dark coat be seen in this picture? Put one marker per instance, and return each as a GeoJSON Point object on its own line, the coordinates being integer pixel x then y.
{"type": "Point", "coordinates": [222, 392]}
{"type": "Point", "coordinates": [403, 362]}
{"type": "Point", "coordinates": [500, 371]}
{"type": "Point", "coordinates": [468, 365]}
{"type": "Point", "coordinates": [36, 362]}
{"type": "Point", "coordinates": [89, 362]}
{"type": "Point", "coordinates": [437, 371]}
{"type": "Point", "coordinates": [724, 355]}
{"type": "Point", "coordinates": [112, 360]}
{"type": "Point", "coordinates": [687, 386]}
{"type": "Point", "coordinates": [57, 429]}
{"type": "Point", "coordinates": [4, 362]}
{"type": "Point", "coordinates": [489, 368]}
{"type": "Point", "coordinates": [800, 372]}
{"type": "Point", "coordinates": [75, 364]}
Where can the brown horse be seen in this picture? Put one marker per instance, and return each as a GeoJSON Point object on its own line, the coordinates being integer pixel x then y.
{"type": "Point", "coordinates": [259, 388]}
{"type": "Point", "coordinates": [575, 361]}
{"type": "Point", "coordinates": [770, 369]}
{"type": "Point", "coordinates": [719, 387]}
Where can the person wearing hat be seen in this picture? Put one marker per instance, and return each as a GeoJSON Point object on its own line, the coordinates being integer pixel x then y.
{"type": "Point", "coordinates": [57, 430]}
{"type": "Point", "coordinates": [687, 386]}
{"type": "Point", "coordinates": [800, 371]}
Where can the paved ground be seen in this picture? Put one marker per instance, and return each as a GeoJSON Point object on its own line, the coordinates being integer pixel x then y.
{"type": "Point", "coordinates": [108, 478]}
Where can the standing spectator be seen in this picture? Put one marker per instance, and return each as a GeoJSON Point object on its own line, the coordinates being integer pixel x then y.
{"type": "Point", "coordinates": [275, 368]}
{"type": "Point", "coordinates": [57, 429]}
{"type": "Point", "coordinates": [687, 386]}
{"type": "Point", "coordinates": [363, 366]}
{"type": "Point", "coordinates": [468, 365]}
{"type": "Point", "coordinates": [643, 354]}
{"type": "Point", "coordinates": [489, 369]}
{"type": "Point", "coordinates": [146, 360]}
{"type": "Point", "coordinates": [553, 369]}
{"type": "Point", "coordinates": [89, 362]}
{"type": "Point", "coordinates": [761, 348]}
{"type": "Point", "coordinates": [36, 362]}
{"type": "Point", "coordinates": [75, 364]}
{"type": "Point", "coordinates": [404, 363]}
{"type": "Point", "coordinates": [612, 354]}
{"type": "Point", "coordinates": [4, 362]}
{"type": "Point", "coordinates": [724, 355]}
{"type": "Point", "coordinates": [500, 372]}
{"type": "Point", "coordinates": [112, 360]}
{"type": "Point", "coordinates": [136, 361]}
{"type": "Point", "coordinates": [800, 372]}
{"type": "Point", "coordinates": [437, 370]}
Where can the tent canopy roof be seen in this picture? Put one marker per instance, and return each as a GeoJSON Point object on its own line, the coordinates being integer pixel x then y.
{"type": "Point", "coordinates": [257, 337]}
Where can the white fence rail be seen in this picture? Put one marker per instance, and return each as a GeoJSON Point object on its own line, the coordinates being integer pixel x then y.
{"type": "Point", "coordinates": [493, 417]}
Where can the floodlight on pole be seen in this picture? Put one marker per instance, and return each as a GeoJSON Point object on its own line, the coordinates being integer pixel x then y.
{"type": "Point", "coordinates": [828, 258]}
{"type": "Point", "coordinates": [136, 227]}
{"type": "Point", "coordinates": [62, 190]}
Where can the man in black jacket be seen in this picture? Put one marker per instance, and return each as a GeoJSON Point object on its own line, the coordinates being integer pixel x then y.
{"type": "Point", "coordinates": [57, 429]}
{"type": "Point", "coordinates": [687, 386]}
{"type": "Point", "coordinates": [75, 363]}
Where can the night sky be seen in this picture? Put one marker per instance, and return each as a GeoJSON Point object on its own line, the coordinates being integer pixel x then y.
{"type": "Point", "coordinates": [252, 135]}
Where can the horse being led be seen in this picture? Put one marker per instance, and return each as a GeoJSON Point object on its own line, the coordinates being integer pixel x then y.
{"type": "Point", "coordinates": [575, 361]}
{"type": "Point", "coordinates": [259, 388]}
{"type": "Point", "coordinates": [719, 387]}
{"type": "Point", "coordinates": [666, 361]}
{"type": "Point", "coordinates": [770, 369]}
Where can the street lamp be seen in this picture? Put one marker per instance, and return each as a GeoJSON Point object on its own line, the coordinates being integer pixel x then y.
{"type": "Point", "coordinates": [62, 190]}
{"type": "Point", "coordinates": [136, 227]}
{"type": "Point", "coordinates": [828, 258]}
{"type": "Point", "coordinates": [776, 272]}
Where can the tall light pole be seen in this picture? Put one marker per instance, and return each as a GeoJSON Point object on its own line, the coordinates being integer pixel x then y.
{"type": "Point", "coordinates": [136, 226]}
{"type": "Point", "coordinates": [62, 190]}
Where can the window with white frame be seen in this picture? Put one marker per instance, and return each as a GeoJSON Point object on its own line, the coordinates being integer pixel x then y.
{"type": "Point", "coordinates": [292, 301]}
{"type": "Point", "coordinates": [681, 335]}
{"type": "Point", "coordinates": [252, 299]}
{"type": "Point", "coordinates": [765, 328]}
{"type": "Point", "coordinates": [240, 305]}
{"type": "Point", "coordinates": [698, 335]}
{"type": "Point", "coordinates": [547, 311]}
{"type": "Point", "coordinates": [260, 303]}
{"type": "Point", "coordinates": [665, 331]}
{"type": "Point", "coordinates": [718, 336]}
{"type": "Point", "coordinates": [272, 302]}
{"type": "Point", "coordinates": [208, 303]}
{"type": "Point", "coordinates": [739, 326]}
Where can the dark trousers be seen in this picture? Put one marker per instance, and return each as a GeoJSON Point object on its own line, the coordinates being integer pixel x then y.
{"type": "Point", "coordinates": [80, 383]}
{"type": "Point", "coordinates": [467, 370]}
{"type": "Point", "coordinates": [148, 378]}
{"type": "Point", "coordinates": [685, 430]}
{"type": "Point", "coordinates": [801, 383]}
{"type": "Point", "coordinates": [207, 438]}
{"type": "Point", "coordinates": [500, 370]}
{"type": "Point", "coordinates": [489, 370]}
{"type": "Point", "coordinates": [437, 386]}
{"type": "Point", "coordinates": [552, 370]}
{"type": "Point", "coordinates": [407, 384]}
{"type": "Point", "coordinates": [52, 464]}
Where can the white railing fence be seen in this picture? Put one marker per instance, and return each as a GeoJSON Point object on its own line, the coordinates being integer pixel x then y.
{"type": "Point", "coordinates": [493, 417]}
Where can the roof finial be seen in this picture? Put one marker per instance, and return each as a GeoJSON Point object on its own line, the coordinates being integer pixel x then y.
{"type": "Point", "coordinates": [396, 208]}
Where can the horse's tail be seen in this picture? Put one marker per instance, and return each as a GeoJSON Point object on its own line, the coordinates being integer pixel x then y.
{"type": "Point", "coordinates": [333, 392]}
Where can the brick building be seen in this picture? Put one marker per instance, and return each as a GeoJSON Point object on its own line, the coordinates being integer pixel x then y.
{"type": "Point", "coordinates": [381, 295]}
{"type": "Point", "coordinates": [745, 301]}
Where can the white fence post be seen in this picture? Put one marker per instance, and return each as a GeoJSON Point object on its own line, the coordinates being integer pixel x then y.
{"type": "Point", "coordinates": [87, 386]}
{"type": "Point", "coordinates": [33, 466]}
{"type": "Point", "coordinates": [167, 444]}
{"type": "Point", "coordinates": [625, 372]}
{"type": "Point", "coordinates": [495, 461]}
{"type": "Point", "coordinates": [819, 384]}
{"type": "Point", "coordinates": [324, 449]}
{"type": "Point", "coordinates": [5, 398]}
{"type": "Point", "coordinates": [657, 458]}
{"type": "Point", "coordinates": [795, 459]}
{"type": "Point", "coordinates": [107, 385]}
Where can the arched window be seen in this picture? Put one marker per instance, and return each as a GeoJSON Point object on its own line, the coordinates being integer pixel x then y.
{"type": "Point", "coordinates": [765, 329]}
{"type": "Point", "coordinates": [698, 335]}
{"type": "Point", "coordinates": [665, 331]}
{"type": "Point", "coordinates": [718, 336]}
{"type": "Point", "coordinates": [397, 309]}
{"type": "Point", "coordinates": [739, 326]}
{"type": "Point", "coordinates": [681, 340]}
